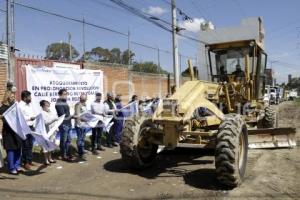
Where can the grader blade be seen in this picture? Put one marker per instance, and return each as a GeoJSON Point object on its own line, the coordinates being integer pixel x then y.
{"type": "Point", "coordinates": [272, 138]}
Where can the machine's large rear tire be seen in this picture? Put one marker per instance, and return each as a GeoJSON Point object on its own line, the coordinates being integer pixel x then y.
{"type": "Point", "coordinates": [269, 120]}
{"type": "Point", "coordinates": [231, 151]}
{"type": "Point", "coordinates": [136, 151]}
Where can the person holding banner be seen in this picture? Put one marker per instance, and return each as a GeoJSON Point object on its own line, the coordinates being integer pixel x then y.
{"type": "Point", "coordinates": [12, 143]}
{"type": "Point", "coordinates": [80, 107]}
{"type": "Point", "coordinates": [110, 109]}
{"type": "Point", "coordinates": [62, 108]}
{"type": "Point", "coordinates": [49, 118]}
{"type": "Point", "coordinates": [134, 98]}
{"type": "Point", "coordinates": [97, 108]}
{"type": "Point", "coordinates": [119, 122]}
{"type": "Point", "coordinates": [27, 110]}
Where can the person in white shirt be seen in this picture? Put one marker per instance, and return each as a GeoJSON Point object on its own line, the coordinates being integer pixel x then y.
{"type": "Point", "coordinates": [26, 109]}
{"type": "Point", "coordinates": [97, 108]}
{"type": "Point", "coordinates": [49, 118]}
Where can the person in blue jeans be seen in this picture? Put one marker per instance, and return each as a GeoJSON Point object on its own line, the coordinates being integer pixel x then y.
{"type": "Point", "coordinates": [12, 143]}
{"type": "Point", "coordinates": [119, 121]}
{"type": "Point", "coordinates": [80, 108]}
{"type": "Point", "coordinates": [62, 108]}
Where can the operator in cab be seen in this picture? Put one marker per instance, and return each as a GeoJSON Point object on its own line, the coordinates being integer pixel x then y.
{"type": "Point", "coordinates": [238, 73]}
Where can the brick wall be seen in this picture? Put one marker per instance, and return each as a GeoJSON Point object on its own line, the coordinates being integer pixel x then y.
{"type": "Point", "coordinates": [115, 77]}
{"type": "Point", "coordinates": [119, 80]}
{"type": "Point", "coordinates": [3, 79]}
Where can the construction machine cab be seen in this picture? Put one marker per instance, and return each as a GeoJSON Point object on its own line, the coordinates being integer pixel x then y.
{"type": "Point", "coordinates": [241, 66]}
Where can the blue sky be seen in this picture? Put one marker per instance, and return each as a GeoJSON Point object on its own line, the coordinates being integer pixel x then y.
{"type": "Point", "coordinates": [34, 30]}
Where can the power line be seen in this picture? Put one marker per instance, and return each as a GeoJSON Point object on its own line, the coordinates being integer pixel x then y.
{"type": "Point", "coordinates": [197, 8]}
{"type": "Point", "coordinates": [157, 48]}
{"type": "Point", "coordinates": [181, 12]}
{"type": "Point", "coordinates": [140, 14]}
{"type": "Point", "coordinates": [1, 10]}
{"type": "Point", "coordinates": [71, 19]}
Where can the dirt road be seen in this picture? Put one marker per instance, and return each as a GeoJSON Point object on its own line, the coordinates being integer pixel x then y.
{"type": "Point", "coordinates": [179, 174]}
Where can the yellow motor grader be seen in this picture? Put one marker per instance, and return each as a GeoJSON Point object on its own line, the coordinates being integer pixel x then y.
{"type": "Point", "coordinates": [227, 114]}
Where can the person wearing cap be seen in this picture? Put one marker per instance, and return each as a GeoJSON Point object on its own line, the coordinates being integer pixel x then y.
{"type": "Point", "coordinates": [10, 86]}
{"type": "Point", "coordinates": [97, 108]}
{"type": "Point", "coordinates": [110, 109]}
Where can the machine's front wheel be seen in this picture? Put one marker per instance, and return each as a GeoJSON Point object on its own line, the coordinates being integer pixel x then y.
{"type": "Point", "coordinates": [137, 152]}
{"type": "Point", "coordinates": [231, 151]}
{"type": "Point", "coordinates": [269, 120]}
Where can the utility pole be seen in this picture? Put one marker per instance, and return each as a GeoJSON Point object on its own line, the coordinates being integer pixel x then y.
{"type": "Point", "coordinates": [129, 60]}
{"type": "Point", "coordinates": [180, 61]}
{"type": "Point", "coordinates": [175, 45]}
{"type": "Point", "coordinates": [70, 47]}
{"type": "Point", "coordinates": [129, 72]}
{"type": "Point", "coordinates": [10, 38]}
{"type": "Point", "coordinates": [158, 70]}
{"type": "Point", "coordinates": [83, 38]}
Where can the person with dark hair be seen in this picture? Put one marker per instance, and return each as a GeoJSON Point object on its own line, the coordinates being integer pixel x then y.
{"type": "Point", "coordinates": [110, 109]}
{"type": "Point", "coordinates": [134, 98]}
{"type": "Point", "coordinates": [49, 118]}
{"type": "Point", "coordinates": [80, 108]}
{"type": "Point", "coordinates": [119, 121]}
{"type": "Point", "coordinates": [239, 73]}
{"type": "Point", "coordinates": [97, 108]}
{"type": "Point", "coordinates": [12, 143]}
{"type": "Point", "coordinates": [62, 108]}
{"type": "Point", "coordinates": [29, 115]}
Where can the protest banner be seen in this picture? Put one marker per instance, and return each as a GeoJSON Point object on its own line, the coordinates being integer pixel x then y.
{"type": "Point", "coordinates": [44, 141]}
{"type": "Point", "coordinates": [44, 84]}
{"type": "Point", "coordinates": [130, 109]}
{"type": "Point", "coordinates": [54, 127]}
{"type": "Point", "coordinates": [16, 121]}
{"type": "Point", "coordinates": [90, 120]}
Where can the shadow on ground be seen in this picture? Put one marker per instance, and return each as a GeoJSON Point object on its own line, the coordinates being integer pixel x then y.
{"type": "Point", "coordinates": [173, 164]}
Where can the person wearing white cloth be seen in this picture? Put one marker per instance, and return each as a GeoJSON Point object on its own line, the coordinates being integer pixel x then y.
{"type": "Point", "coordinates": [97, 108]}
{"type": "Point", "coordinates": [49, 118]}
{"type": "Point", "coordinates": [27, 110]}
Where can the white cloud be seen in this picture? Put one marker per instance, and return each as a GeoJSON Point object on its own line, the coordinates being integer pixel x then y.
{"type": "Point", "coordinates": [195, 24]}
{"type": "Point", "coordinates": [155, 10]}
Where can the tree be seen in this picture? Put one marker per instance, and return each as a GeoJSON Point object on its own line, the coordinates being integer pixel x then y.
{"type": "Point", "coordinates": [115, 55]}
{"type": "Point", "coordinates": [148, 67]}
{"type": "Point", "coordinates": [100, 54]}
{"type": "Point", "coordinates": [294, 84]}
{"type": "Point", "coordinates": [60, 51]}
{"type": "Point", "coordinates": [125, 55]}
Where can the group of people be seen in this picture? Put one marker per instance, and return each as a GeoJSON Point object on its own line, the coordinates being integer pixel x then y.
{"type": "Point", "coordinates": [19, 152]}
